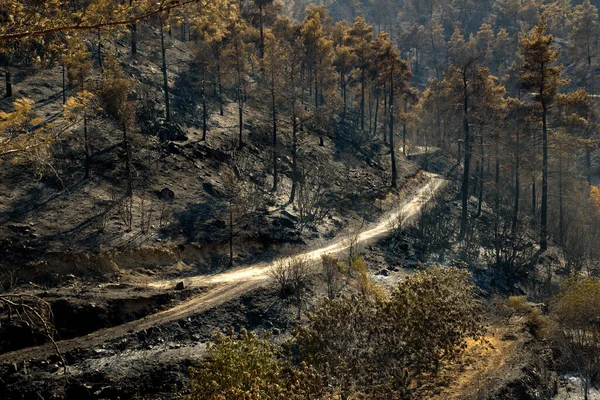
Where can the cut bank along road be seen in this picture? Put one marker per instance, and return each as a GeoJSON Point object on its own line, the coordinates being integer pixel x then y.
{"type": "Point", "coordinates": [229, 285]}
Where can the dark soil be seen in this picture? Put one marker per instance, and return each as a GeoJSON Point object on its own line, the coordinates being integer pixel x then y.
{"type": "Point", "coordinates": [152, 363]}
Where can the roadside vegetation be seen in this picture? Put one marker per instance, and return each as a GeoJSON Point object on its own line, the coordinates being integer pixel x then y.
{"type": "Point", "coordinates": [352, 344]}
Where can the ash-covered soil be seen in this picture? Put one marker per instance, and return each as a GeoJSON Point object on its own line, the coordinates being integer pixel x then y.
{"type": "Point", "coordinates": [54, 222]}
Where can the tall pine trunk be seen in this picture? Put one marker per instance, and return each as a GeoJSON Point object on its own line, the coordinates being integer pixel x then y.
{"type": "Point", "coordinates": [230, 233]}
{"type": "Point", "coordinates": [86, 146]}
{"type": "Point", "coordinates": [64, 84]}
{"type": "Point", "coordinates": [560, 198]}
{"type": "Point", "coordinates": [164, 72]}
{"type": "Point", "coordinates": [376, 114]}
{"type": "Point", "coordinates": [100, 63]}
{"type": "Point", "coordinates": [274, 116]}
{"type": "Point", "coordinates": [467, 162]}
{"type": "Point", "coordinates": [294, 158]}
{"type": "Point", "coordinates": [262, 34]}
{"type": "Point", "coordinates": [362, 100]}
{"type": "Point", "coordinates": [9, 90]}
{"type": "Point", "coordinates": [204, 104]}
{"type": "Point", "coordinates": [481, 172]}
{"type": "Point", "coordinates": [220, 86]}
{"type": "Point", "coordinates": [392, 145]}
{"type": "Point", "coordinates": [240, 100]}
{"type": "Point", "coordinates": [133, 29]}
{"type": "Point", "coordinates": [127, 160]}
{"type": "Point", "coordinates": [515, 219]}
{"type": "Point", "coordinates": [404, 127]}
{"type": "Point", "coordinates": [544, 210]}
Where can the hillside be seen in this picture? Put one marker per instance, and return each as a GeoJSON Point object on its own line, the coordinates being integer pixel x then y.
{"type": "Point", "coordinates": [273, 199]}
{"type": "Point", "coordinates": [178, 210]}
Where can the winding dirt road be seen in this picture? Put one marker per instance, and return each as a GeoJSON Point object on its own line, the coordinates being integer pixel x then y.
{"type": "Point", "coordinates": [229, 285]}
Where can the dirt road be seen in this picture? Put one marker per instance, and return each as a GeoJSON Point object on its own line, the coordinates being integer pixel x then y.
{"type": "Point", "coordinates": [408, 211]}
{"type": "Point", "coordinates": [228, 285]}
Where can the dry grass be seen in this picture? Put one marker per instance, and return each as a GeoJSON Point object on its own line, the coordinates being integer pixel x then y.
{"type": "Point", "coordinates": [482, 365]}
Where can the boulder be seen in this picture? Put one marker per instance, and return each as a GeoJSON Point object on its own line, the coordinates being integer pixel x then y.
{"type": "Point", "coordinates": [171, 131]}
{"type": "Point", "coordinates": [166, 194]}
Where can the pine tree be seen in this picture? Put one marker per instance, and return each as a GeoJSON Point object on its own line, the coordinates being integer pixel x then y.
{"type": "Point", "coordinates": [316, 33]}
{"type": "Point", "coordinates": [359, 39]}
{"type": "Point", "coordinates": [540, 73]}
{"type": "Point", "coordinates": [274, 56]}
{"type": "Point", "coordinates": [583, 32]}
{"type": "Point", "coordinates": [397, 73]}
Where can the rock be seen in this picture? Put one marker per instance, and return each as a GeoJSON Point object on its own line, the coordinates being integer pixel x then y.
{"type": "Point", "coordinates": [19, 228]}
{"type": "Point", "coordinates": [166, 194]}
{"type": "Point", "coordinates": [173, 148]}
{"type": "Point", "coordinates": [284, 222]}
{"type": "Point", "coordinates": [172, 132]}
{"type": "Point", "coordinates": [180, 286]}
{"type": "Point", "coordinates": [209, 188]}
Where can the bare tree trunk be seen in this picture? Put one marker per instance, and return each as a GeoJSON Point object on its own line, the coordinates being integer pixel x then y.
{"type": "Point", "coordinates": [479, 187]}
{"type": "Point", "coordinates": [392, 145]}
{"type": "Point", "coordinates": [294, 158]}
{"type": "Point", "coordinates": [534, 197]}
{"type": "Point", "coordinates": [560, 198]}
{"type": "Point", "coordinates": [588, 166]}
{"type": "Point", "coordinates": [133, 29]}
{"type": "Point", "coordinates": [9, 90]}
{"type": "Point", "coordinates": [261, 46]}
{"type": "Point", "coordinates": [362, 100]}
{"type": "Point", "coordinates": [274, 115]}
{"type": "Point", "coordinates": [344, 97]}
{"type": "Point", "coordinates": [219, 84]}
{"type": "Point", "coordinates": [404, 127]}
{"type": "Point", "coordinates": [127, 162]}
{"type": "Point", "coordinates": [515, 219]}
{"type": "Point", "coordinates": [164, 72]}
{"type": "Point", "coordinates": [376, 114]}
{"type": "Point", "coordinates": [204, 105]}
{"type": "Point", "coordinates": [434, 52]}
{"type": "Point", "coordinates": [100, 63]}
{"type": "Point", "coordinates": [370, 115]}
{"type": "Point", "coordinates": [241, 123]}
{"type": "Point", "coordinates": [467, 162]}
{"type": "Point", "coordinates": [317, 106]}
{"type": "Point", "coordinates": [544, 217]}
{"type": "Point", "coordinates": [385, 112]}
{"type": "Point", "coordinates": [240, 99]}
{"type": "Point", "coordinates": [230, 234]}
{"type": "Point", "coordinates": [86, 147]}
{"type": "Point", "coordinates": [64, 84]}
